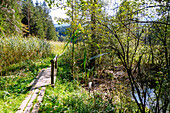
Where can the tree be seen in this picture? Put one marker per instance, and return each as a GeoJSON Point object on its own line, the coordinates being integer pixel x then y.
{"type": "Point", "coordinates": [10, 18]}
{"type": "Point", "coordinates": [129, 42]}
{"type": "Point", "coordinates": [38, 20]}
{"type": "Point", "coordinates": [28, 11]}
{"type": "Point", "coordinates": [51, 32]}
{"type": "Point", "coordinates": [132, 37]}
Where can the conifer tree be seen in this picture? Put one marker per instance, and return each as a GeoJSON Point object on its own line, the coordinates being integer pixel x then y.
{"type": "Point", "coordinates": [10, 18]}
{"type": "Point", "coordinates": [38, 20]}
{"type": "Point", "coordinates": [28, 12]}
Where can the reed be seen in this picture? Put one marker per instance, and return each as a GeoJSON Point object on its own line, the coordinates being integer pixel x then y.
{"type": "Point", "coordinates": [17, 49]}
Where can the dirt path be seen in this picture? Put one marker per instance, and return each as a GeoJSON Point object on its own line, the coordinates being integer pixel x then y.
{"type": "Point", "coordinates": [32, 101]}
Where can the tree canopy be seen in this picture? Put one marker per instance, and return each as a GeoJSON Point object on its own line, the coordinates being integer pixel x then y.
{"type": "Point", "coordinates": [25, 18]}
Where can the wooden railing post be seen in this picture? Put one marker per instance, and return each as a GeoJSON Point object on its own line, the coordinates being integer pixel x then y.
{"type": "Point", "coordinates": [52, 72]}
{"type": "Point", "coordinates": [54, 61]}
{"type": "Point", "coordinates": [56, 66]}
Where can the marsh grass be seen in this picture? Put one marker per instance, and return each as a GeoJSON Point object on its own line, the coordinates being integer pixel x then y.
{"type": "Point", "coordinates": [17, 50]}
{"type": "Point", "coordinates": [57, 47]}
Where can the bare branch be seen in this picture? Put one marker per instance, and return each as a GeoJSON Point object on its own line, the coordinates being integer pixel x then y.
{"type": "Point", "coordinates": [152, 22]}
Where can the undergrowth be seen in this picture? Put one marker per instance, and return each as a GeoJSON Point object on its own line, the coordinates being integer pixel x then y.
{"type": "Point", "coordinates": [68, 96]}
{"type": "Point", "coordinates": [28, 58]}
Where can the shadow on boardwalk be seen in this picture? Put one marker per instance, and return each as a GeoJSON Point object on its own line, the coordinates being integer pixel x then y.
{"type": "Point", "coordinates": [37, 91]}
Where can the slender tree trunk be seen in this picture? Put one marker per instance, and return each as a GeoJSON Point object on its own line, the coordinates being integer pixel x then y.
{"type": "Point", "coordinates": [72, 40]}
{"type": "Point", "coordinates": [28, 21]}
{"type": "Point", "coordinates": [93, 36]}
{"type": "Point", "coordinates": [150, 44]}
{"type": "Point", "coordinates": [165, 43]}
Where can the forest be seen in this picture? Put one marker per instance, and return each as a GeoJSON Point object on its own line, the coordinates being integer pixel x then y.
{"type": "Point", "coordinates": [61, 32]}
{"type": "Point", "coordinates": [115, 55]}
{"type": "Point", "coordinates": [25, 18]}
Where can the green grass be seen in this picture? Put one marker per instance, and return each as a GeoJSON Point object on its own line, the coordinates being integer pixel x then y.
{"type": "Point", "coordinates": [14, 88]}
{"type": "Point", "coordinates": [57, 47]}
{"type": "Point", "coordinates": [69, 97]}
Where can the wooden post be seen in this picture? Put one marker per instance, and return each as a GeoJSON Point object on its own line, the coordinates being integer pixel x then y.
{"type": "Point", "coordinates": [52, 72]}
{"type": "Point", "coordinates": [55, 59]}
{"type": "Point", "coordinates": [56, 66]}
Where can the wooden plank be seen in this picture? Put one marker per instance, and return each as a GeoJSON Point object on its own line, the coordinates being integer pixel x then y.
{"type": "Point", "coordinates": [39, 100]}
{"type": "Point", "coordinates": [30, 104]}
{"type": "Point", "coordinates": [43, 79]}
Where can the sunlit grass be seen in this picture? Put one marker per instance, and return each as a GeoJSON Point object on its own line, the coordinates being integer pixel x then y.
{"type": "Point", "coordinates": [57, 47]}
{"type": "Point", "coordinates": [21, 61]}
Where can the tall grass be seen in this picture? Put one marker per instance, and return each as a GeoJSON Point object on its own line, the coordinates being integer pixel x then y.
{"type": "Point", "coordinates": [17, 49]}
{"type": "Point", "coordinates": [57, 47]}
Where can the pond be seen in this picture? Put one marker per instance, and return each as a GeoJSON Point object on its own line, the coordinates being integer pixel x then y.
{"type": "Point", "coordinates": [150, 97]}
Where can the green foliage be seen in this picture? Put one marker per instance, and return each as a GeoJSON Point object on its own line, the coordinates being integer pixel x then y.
{"type": "Point", "coordinates": [136, 36]}
{"type": "Point", "coordinates": [70, 97]}
{"type": "Point", "coordinates": [73, 38]}
{"type": "Point", "coordinates": [85, 61]}
{"type": "Point", "coordinates": [51, 33]}
{"type": "Point", "coordinates": [17, 49]}
{"type": "Point", "coordinates": [22, 17]}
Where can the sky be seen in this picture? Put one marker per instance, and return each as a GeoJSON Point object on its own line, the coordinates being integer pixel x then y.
{"type": "Point", "coordinates": [55, 12]}
{"type": "Point", "coordinates": [59, 13]}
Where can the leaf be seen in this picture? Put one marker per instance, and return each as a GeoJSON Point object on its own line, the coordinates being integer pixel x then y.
{"type": "Point", "coordinates": [88, 73]}
{"type": "Point", "coordinates": [79, 25]}
{"type": "Point", "coordinates": [71, 39]}
{"type": "Point", "coordinates": [97, 56]}
{"type": "Point", "coordinates": [100, 53]}
{"type": "Point", "coordinates": [156, 82]}
{"type": "Point", "coordinates": [74, 40]}
{"type": "Point", "coordinates": [85, 60]}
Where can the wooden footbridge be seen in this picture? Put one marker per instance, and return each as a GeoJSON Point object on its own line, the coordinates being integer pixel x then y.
{"type": "Point", "coordinates": [46, 77]}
